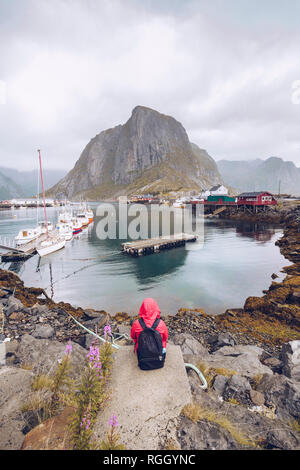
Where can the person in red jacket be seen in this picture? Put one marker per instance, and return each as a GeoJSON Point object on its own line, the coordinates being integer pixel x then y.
{"type": "Point", "coordinates": [149, 311]}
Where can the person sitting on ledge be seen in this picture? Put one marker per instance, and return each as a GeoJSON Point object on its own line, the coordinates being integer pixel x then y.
{"type": "Point", "coordinates": [150, 336]}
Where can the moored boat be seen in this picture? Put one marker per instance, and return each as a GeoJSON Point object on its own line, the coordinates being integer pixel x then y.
{"type": "Point", "coordinates": [65, 217]}
{"type": "Point", "coordinates": [65, 230]}
{"type": "Point", "coordinates": [27, 235]}
{"type": "Point", "coordinates": [90, 215]}
{"type": "Point", "coordinates": [44, 226]}
{"type": "Point", "coordinates": [53, 242]}
{"type": "Point", "coordinates": [83, 219]}
{"type": "Point", "coordinates": [180, 203]}
{"type": "Point", "coordinates": [76, 225]}
{"type": "Point", "coordinates": [51, 245]}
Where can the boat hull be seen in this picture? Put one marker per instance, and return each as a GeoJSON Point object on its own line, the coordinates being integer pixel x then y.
{"type": "Point", "coordinates": [47, 250]}
{"type": "Point", "coordinates": [20, 242]}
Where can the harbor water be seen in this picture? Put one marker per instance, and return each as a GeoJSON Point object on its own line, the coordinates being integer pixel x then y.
{"type": "Point", "coordinates": [236, 261]}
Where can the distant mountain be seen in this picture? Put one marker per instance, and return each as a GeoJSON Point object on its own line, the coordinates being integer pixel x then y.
{"type": "Point", "coordinates": [256, 175]}
{"type": "Point", "coordinates": [14, 183]}
{"type": "Point", "coordinates": [8, 188]}
{"type": "Point", "coordinates": [150, 153]}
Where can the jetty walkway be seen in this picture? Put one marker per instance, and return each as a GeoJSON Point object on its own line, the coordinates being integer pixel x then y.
{"type": "Point", "coordinates": [155, 245]}
{"type": "Point", "coordinates": [145, 402]}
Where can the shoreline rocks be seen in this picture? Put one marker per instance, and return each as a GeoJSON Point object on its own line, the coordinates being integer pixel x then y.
{"type": "Point", "coordinates": [251, 356]}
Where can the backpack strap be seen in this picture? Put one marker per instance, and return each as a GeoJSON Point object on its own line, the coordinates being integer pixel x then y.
{"type": "Point", "coordinates": [155, 324]}
{"type": "Point", "coordinates": [144, 326]}
{"type": "Point", "coordinates": [142, 323]}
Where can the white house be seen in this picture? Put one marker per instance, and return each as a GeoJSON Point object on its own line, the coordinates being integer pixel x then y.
{"type": "Point", "coordinates": [218, 190]}
{"type": "Point", "coordinates": [205, 193]}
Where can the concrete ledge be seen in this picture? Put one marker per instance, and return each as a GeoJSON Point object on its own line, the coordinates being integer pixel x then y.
{"type": "Point", "coordinates": [145, 401]}
{"type": "Point", "coordinates": [2, 354]}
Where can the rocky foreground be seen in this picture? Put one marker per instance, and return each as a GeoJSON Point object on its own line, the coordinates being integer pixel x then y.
{"type": "Point", "coordinates": [250, 357]}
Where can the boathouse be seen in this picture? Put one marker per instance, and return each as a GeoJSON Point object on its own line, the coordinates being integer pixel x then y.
{"type": "Point", "coordinates": [261, 198]}
{"type": "Point", "coordinates": [219, 190]}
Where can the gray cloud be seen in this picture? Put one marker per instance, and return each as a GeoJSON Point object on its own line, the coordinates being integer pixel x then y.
{"type": "Point", "coordinates": [224, 69]}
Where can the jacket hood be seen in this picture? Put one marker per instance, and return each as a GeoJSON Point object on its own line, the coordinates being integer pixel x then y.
{"type": "Point", "coordinates": [149, 310]}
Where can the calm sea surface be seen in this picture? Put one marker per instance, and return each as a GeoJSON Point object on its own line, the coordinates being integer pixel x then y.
{"type": "Point", "coordinates": [236, 261]}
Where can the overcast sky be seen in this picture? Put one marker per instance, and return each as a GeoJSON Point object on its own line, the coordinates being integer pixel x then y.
{"type": "Point", "coordinates": [224, 68]}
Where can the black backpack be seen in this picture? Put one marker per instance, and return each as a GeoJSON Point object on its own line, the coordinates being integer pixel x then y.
{"type": "Point", "coordinates": [149, 351]}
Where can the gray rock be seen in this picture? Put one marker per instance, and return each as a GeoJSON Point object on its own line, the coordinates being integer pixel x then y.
{"type": "Point", "coordinates": [13, 305]}
{"type": "Point", "coordinates": [39, 310]}
{"type": "Point", "coordinates": [219, 384]}
{"type": "Point", "coordinates": [273, 363]}
{"type": "Point", "coordinates": [194, 383]}
{"type": "Point", "coordinates": [257, 398]}
{"type": "Point", "coordinates": [249, 424]}
{"type": "Point", "coordinates": [14, 391]}
{"type": "Point", "coordinates": [223, 339]}
{"type": "Point", "coordinates": [93, 314]}
{"type": "Point", "coordinates": [43, 331]}
{"type": "Point", "coordinates": [98, 322]}
{"type": "Point", "coordinates": [282, 439]}
{"type": "Point", "coordinates": [2, 354]}
{"type": "Point", "coordinates": [204, 435]}
{"type": "Point", "coordinates": [245, 360]}
{"type": "Point", "coordinates": [44, 354]}
{"type": "Point", "coordinates": [238, 388]}
{"type": "Point", "coordinates": [88, 340]}
{"type": "Point", "coordinates": [124, 329]}
{"type": "Point", "coordinates": [189, 345]}
{"type": "Point", "coordinates": [290, 356]}
{"type": "Point", "coordinates": [11, 347]}
{"type": "Point", "coordinates": [148, 139]}
{"type": "Point", "coordinates": [3, 294]}
{"type": "Point", "coordinates": [283, 393]}
{"type": "Point", "coordinates": [295, 297]}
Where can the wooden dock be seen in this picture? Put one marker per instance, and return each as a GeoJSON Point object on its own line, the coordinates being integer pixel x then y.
{"type": "Point", "coordinates": [23, 252]}
{"type": "Point", "coordinates": [156, 245]}
{"type": "Point", "coordinates": [12, 256]}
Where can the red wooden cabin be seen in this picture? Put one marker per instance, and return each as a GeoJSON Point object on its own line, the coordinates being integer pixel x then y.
{"type": "Point", "coordinates": [262, 198]}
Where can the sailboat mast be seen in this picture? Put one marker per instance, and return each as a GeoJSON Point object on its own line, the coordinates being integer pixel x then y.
{"type": "Point", "coordinates": [42, 180]}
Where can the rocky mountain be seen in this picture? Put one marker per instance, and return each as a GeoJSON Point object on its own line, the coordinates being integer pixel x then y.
{"type": "Point", "coordinates": [16, 184]}
{"type": "Point", "coordinates": [256, 175]}
{"type": "Point", "coordinates": [8, 188]}
{"type": "Point", "coordinates": [150, 153]}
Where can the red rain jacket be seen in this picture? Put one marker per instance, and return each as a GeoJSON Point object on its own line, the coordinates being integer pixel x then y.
{"type": "Point", "coordinates": [149, 311]}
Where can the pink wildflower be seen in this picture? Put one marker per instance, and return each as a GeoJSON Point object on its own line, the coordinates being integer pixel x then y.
{"type": "Point", "coordinates": [94, 360]}
{"type": "Point", "coordinates": [107, 330]}
{"type": "Point", "coordinates": [113, 421]}
{"type": "Point", "coordinates": [68, 349]}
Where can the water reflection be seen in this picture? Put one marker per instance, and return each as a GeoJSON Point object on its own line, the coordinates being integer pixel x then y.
{"type": "Point", "coordinates": [236, 261]}
{"type": "Point", "coordinates": [260, 232]}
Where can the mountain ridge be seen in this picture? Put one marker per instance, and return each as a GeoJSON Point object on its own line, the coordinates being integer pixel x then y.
{"type": "Point", "coordinates": [18, 184]}
{"type": "Point", "coordinates": [151, 152]}
{"type": "Point", "coordinates": [257, 175]}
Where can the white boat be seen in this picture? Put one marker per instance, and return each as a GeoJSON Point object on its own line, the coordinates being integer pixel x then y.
{"type": "Point", "coordinates": [51, 245]}
{"type": "Point", "coordinates": [197, 199]}
{"type": "Point", "coordinates": [27, 235]}
{"type": "Point", "coordinates": [43, 226]}
{"type": "Point", "coordinates": [65, 217]}
{"type": "Point", "coordinates": [65, 230]}
{"type": "Point", "coordinates": [53, 242]}
{"type": "Point", "coordinates": [76, 225]}
{"type": "Point", "coordinates": [180, 203]}
{"type": "Point", "coordinates": [83, 219]}
{"type": "Point", "coordinates": [89, 215]}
